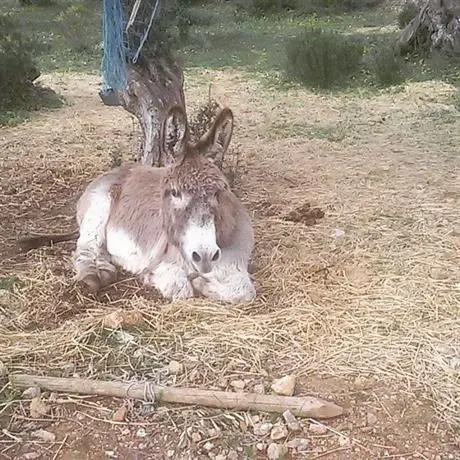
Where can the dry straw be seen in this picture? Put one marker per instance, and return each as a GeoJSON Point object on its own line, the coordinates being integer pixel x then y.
{"type": "Point", "coordinates": [372, 288]}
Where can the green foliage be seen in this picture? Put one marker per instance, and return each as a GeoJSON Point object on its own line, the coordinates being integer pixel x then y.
{"type": "Point", "coordinates": [17, 68]}
{"type": "Point", "coordinates": [407, 13]}
{"type": "Point", "coordinates": [37, 2]}
{"type": "Point", "coordinates": [322, 58]}
{"type": "Point", "coordinates": [388, 67]}
{"type": "Point", "coordinates": [75, 25]}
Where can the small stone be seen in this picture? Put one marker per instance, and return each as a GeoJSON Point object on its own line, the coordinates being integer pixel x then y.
{"type": "Point", "coordinates": [38, 408]}
{"type": "Point", "coordinates": [291, 421]}
{"type": "Point", "coordinates": [3, 369]}
{"type": "Point", "coordinates": [237, 385]}
{"type": "Point", "coordinates": [175, 368]}
{"type": "Point", "coordinates": [30, 393]}
{"type": "Point", "coordinates": [170, 454]}
{"type": "Point", "coordinates": [260, 446]}
{"type": "Point", "coordinates": [259, 388]}
{"type": "Point", "coordinates": [196, 437]}
{"type": "Point", "coordinates": [284, 386]}
{"type": "Point", "coordinates": [301, 444]}
{"type": "Point", "coordinates": [44, 435]}
{"type": "Point", "coordinates": [140, 433]}
{"type": "Point", "coordinates": [110, 454]}
{"type": "Point", "coordinates": [120, 414]}
{"type": "Point", "coordinates": [31, 455]}
{"type": "Point", "coordinates": [279, 431]}
{"type": "Point", "coordinates": [344, 441]}
{"type": "Point", "coordinates": [208, 446]}
{"type": "Point", "coordinates": [317, 429]}
{"type": "Point", "coordinates": [262, 429]}
{"type": "Point", "coordinates": [232, 455]}
{"type": "Point", "coordinates": [363, 383]}
{"type": "Point", "coordinates": [276, 451]}
{"type": "Point", "coordinates": [371, 419]}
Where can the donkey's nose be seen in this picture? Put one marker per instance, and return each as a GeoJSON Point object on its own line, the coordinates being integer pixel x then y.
{"type": "Point", "coordinates": [204, 260]}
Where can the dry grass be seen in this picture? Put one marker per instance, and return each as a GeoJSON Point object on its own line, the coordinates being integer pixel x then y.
{"type": "Point", "coordinates": [372, 288]}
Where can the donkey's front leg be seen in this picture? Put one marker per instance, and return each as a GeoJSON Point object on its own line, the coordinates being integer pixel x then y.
{"type": "Point", "coordinates": [231, 285]}
{"type": "Point", "coordinates": [171, 280]}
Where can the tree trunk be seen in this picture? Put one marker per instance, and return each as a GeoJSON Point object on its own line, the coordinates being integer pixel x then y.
{"type": "Point", "coordinates": [435, 28]}
{"type": "Point", "coordinates": [153, 86]}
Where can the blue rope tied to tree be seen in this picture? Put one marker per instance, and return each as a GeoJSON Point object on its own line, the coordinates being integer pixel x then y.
{"type": "Point", "coordinates": [113, 70]}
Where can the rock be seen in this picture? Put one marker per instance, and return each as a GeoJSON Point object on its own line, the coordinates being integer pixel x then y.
{"type": "Point", "coordinates": [122, 317]}
{"type": "Point", "coordinates": [175, 368]}
{"type": "Point", "coordinates": [317, 429]}
{"type": "Point", "coordinates": [371, 419]}
{"type": "Point", "coordinates": [31, 392]}
{"type": "Point", "coordinates": [363, 383]}
{"type": "Point", "coordinates": [279, 431]}
{"type": "Point", "coordinates": [344, 441]}
{"type": "Point", "coordinates": [44, 435]}
{"type": "Point", "coordinates": [291, 421]}
{"type": "Point", "coordinates": [232, 455]}
{"type": "Point", "coordinates": [237, 385]}
{"type": "Point", "coordinates": [260, 446]}
{"type": "Point", "coordinates": [120, 414]}
{"type": "Point", "coordinates": [284, 386]}
{"type": "Point", "coordinates": [262, 429]}
{"type": "Point", "coordinates": [140, 433]}
{"type": "Point", "coordinates": [38, 408]}
{"type": "Point", "coordinates": [3, 369]}
{"type": "Point", "coordinates": [301, 444]}
{"type": "Point", "coordinates": [110, 454]}
{"type": "Point", "coordinates": [208, 446]}
{"type": "Point", "coordinates": [196, 437]}
{"type": "Point", "coordinates": [259, 388]}
{"type": "Point", "coordinates": [276, 451]}
{"type": "Point", "coordinates": [32, 455]}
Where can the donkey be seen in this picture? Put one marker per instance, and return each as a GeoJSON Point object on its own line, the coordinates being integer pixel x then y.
{"type": "Point", "coordinates": [179, 228]}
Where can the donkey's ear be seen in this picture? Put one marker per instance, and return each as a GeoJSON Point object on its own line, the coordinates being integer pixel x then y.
{"type": "Point", "coordinates": [215, 142]}
{"type": "Point", "coordinates": [174, 135]}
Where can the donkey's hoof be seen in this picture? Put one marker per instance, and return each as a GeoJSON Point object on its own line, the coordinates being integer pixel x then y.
{"type": "Point", "coordinates": [92, 283]}
{"type": "Point", "coordinates": [107, 277]}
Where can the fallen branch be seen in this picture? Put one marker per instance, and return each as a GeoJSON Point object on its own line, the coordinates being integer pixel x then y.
{"type": "Point", "coordinates": [301, 406]}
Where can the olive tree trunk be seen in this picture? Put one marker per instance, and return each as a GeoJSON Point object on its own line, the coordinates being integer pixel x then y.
{"type": "Point", "coordinates": [436, 27]}
{"type": "Point", "coordinates": [153, 86]}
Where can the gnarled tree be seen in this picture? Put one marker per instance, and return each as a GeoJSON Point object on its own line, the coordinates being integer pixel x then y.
{"type": "Point", "coordinates": [155, 79]}
{"type": "Point", "coordinates": [436, 28]}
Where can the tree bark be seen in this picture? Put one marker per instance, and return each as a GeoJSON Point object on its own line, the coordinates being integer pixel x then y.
{"type": "Point", "coordinates": [435, 28]}
{"type": "Point", "coordinates": [153, 86]}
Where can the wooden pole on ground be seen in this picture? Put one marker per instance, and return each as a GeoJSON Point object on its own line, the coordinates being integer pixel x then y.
{"type": "Point", "coordinates": [300, 406]}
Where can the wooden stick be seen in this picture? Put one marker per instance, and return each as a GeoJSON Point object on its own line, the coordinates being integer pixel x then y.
{"type": "Point", "coordinates": [300, 406]}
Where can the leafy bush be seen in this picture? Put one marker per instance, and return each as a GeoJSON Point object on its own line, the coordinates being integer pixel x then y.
{"type": "Point", "coordinates": [37, 2]}
{"type": "Point", "coordinates": [17, 68]}
{"type": "Point", "coordinates": [322, 58]}
{"type": "Point", "coordinates": [264, 7]}
{"type": "Point", "coordinates": [388, 67]}
{"type": "Point", "coordinates": [408, 12]}
{"type": "Point", "coordinates": [75, 25]}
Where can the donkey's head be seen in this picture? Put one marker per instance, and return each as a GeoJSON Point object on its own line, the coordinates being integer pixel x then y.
{"type": "Point", "coordinates": [196, 204]}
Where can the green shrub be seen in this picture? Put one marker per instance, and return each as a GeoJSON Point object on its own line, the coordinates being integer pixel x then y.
{"type": "Point", "coordinates": [260, 8]}
{"type": "Point", "coordinates": [37, 2]}
{"type": "Point", "coordinates": [76, 26]}
{"type": "Point", "coordinates": [388, 67]}
{"type": "Point", "coordinates": [17, 68]}
{"type": "Point", "coordinates": [322, 58]}
{"type": "Point", "coordinates": [407, 13]}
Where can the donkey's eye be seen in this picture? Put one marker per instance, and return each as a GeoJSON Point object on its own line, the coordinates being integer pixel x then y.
{"type": "Point", "coordinates": [175, 193]}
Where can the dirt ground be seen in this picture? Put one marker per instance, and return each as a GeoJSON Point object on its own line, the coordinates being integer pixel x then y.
{"type": "Point", "coordinates": [361, 304]}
